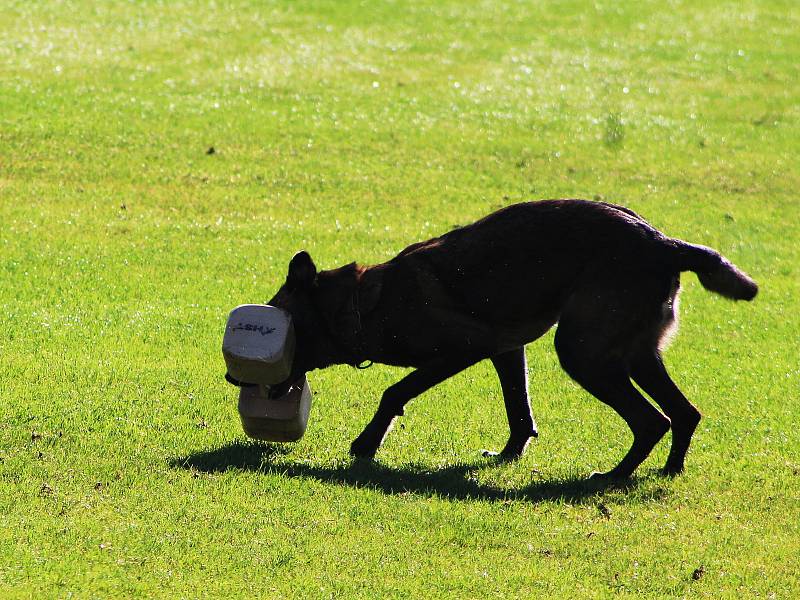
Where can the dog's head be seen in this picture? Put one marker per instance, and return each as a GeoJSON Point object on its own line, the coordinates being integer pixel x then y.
{"type": "Point", "coordinates": [327, 310]}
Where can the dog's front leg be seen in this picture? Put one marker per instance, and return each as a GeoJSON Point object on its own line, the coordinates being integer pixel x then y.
{"type": "Point", "coordinates": [396, 396]}
{"type": "Point", "coordinates": [512, 370]}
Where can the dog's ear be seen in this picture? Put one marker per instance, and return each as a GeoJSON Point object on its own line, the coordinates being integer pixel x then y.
{"type": "Point", "coordinates": [302, 272]}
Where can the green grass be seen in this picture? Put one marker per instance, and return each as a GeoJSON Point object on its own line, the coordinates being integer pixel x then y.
{"type": "Point", "coordinates": [352, 129]}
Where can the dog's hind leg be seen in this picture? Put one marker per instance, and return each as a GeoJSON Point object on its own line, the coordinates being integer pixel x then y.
{"type": "Point", "coordinates": [591, 345]}
{"type": "Point", "coordinates": [610, 384]}
{"type": "Point", "coordinates": [398, 395]}
{"type": "Point", "coordinates": [512, 370]}
{"type": "Point", "coordinates": [647, 369]}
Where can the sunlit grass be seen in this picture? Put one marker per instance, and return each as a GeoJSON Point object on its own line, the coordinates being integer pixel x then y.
{"type": "Point", "coordinates": [351, 130]}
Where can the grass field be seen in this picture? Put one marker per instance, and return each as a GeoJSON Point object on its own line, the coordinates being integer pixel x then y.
{"type": "Point", "coordinates": [352, 129]}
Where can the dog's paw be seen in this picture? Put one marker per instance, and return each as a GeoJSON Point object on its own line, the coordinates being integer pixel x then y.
{"type": "Point", "coordinates": [500, 456]}
{"type": "Point", "coordinates": [671, 470]}
{"type": "Point", "coordinates": [363, 448]}
{"type": "Point", "coordinates": [514, 448]}
{"type": "Point", "coordinates": [607, 479]}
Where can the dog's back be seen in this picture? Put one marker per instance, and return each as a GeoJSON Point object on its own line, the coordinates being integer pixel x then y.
{"type": "Point", "coordinates": [513, 272]}
{"type": "Point", "coordinates": [528, 258]}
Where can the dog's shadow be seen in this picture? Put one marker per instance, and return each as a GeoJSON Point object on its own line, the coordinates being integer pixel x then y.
{"type": "Point", "coordinates": [457, 482]}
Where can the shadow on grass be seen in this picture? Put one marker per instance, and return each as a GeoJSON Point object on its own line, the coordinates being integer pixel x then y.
{"type": "Point", "coordinates": [457, 482]}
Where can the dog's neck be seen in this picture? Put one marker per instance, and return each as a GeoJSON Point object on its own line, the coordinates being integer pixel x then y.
{"type": "Point", "coordinates": [349, 294]}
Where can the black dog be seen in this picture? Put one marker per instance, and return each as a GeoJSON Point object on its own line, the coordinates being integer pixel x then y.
{"type": "Point", "coordinates": [608, 278]}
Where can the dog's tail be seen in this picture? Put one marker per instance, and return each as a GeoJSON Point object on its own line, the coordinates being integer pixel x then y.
{"type": "Point", "coordinates": [714, 271]}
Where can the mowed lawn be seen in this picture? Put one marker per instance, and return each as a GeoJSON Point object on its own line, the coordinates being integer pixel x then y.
{"type": "Point", "coordinates": [160, 162]}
